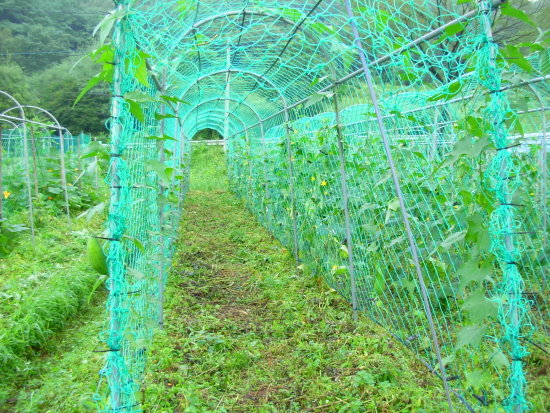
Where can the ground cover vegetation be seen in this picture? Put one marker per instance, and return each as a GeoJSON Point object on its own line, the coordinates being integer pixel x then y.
{"type": "Point", "coordinates": [246, 330]}
{"type": "Point", "coordinates": [466, 299]}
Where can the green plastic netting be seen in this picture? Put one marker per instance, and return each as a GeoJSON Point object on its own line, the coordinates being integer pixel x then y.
{"type": "Point", "coordinates": [413, 177]}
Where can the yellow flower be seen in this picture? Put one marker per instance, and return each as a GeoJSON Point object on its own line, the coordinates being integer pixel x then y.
{"type": "Point", "coordinates": [532, 193]}
{"type": "Point", "coordinates": [326, 192]}
{"type": "Point", "coordinates": [312, 178]}
{"type": "Point", "coordinates": [334, 267]}
{"type": "Point", "coordinates": [6, 194]}
{"type": "Point", "coordinates": [70, 184]}
{"type": "Point", "coordinates": [324, 183]}
{"type": "Point", "coordinates": [49, 170]}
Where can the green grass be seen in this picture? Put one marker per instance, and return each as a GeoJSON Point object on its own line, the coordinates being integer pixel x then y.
{"type": "Point", "coordinates": [41, 288]}
{"type": "Point", "coordinates": [248, 332]}
{"type": "Point", "coordinates": [208, 171]}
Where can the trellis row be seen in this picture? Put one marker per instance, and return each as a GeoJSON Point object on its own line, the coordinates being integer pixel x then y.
{"type": "Point", "coordinates": [384, 161]}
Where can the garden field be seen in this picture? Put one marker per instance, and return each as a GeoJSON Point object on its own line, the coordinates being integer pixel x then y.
{"type": "Point", "coordinates": [245, 329]}
{"type": "Point", "coordinates": [275, 206]}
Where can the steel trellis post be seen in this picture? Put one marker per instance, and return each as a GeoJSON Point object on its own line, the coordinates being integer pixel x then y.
{"type": "Point", "coordinates": [395, 178]}
{"type": "Point", "coordinates": [345, 201]}
{"type": "Point", "coordinates": [544, 171]}
{"type": "Point", "coordinates": [162, 190]}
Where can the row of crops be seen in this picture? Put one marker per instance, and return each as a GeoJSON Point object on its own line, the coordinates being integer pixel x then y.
{"type": "Point", "coordinates": [37, 175]}
{"type": "Point", "coordinates": [322, 185]}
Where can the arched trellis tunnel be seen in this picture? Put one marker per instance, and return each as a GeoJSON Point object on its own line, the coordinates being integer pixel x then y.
{"type": "Point", "coordinates": [382, 142]}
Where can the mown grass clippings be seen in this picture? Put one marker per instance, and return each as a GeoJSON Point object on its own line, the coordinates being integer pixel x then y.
{"type": "Point", "coordinates": [246, 331]}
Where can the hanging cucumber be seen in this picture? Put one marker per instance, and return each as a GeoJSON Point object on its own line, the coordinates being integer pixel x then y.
{"type": "Point", "coordinates": [96, 256]}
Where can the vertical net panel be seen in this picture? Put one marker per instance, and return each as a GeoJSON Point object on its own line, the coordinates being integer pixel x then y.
{"type": "Point", "coordinates": [146, 159]}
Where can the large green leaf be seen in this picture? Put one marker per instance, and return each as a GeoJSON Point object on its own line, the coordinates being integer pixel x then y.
{"type": "Point", "coordinates": [91, 83]}
{"type": "Point", "coordinates": [471, 335]}
{"type": "Point", "coordinates": [161, 170]}
{"type": "Point", "coordinates": [471, 271]}
{"type": "Point", "coordinates": [479, 307]}
{"type": "Point", "coordinates": [507, 10]}
{"type": "Point", "coordinates": [452, 239]}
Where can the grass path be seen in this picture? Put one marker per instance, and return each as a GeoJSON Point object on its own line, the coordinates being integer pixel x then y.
{"type": "Point", "coordinates": [247, 332]}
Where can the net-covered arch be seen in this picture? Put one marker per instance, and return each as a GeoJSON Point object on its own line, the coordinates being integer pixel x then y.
{"type": "Point", "coordinates": [375, 139]}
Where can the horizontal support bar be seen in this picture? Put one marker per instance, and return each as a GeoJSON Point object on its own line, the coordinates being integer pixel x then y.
{"type": "Point", "coordinates": [428, 36]}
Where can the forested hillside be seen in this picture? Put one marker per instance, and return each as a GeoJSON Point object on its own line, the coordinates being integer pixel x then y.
{"type": "Point", "coordinates": [40, 41]}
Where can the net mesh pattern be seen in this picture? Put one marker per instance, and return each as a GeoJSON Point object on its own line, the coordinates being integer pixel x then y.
{"type": "Point", "coordinates": [447, 249]}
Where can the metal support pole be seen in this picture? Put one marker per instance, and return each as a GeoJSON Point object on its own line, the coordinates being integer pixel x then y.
{"type": "Point", "coordinates": [34, 163]}
{"type": "Point", "coordinates": [395, 178]}
{"type": "Point", "coordinates": [183, 164]}
{"type": "Point", "coordinates": [96, 178]}
{"type": "Point", "coordinates": [266, 184]}
{"type": "Point", "coordinates": [543, 169]}
{"type": "Point", "coordinates": [291, 181]}
{"type": "Point", "coordinates": [78, 154]}
{"type": "Point", "coordinates": [64, 176]}
{"type": "Point", "coordinates": [116, 195]}
{"type": "Point", "coordinates": [162, 190]}
{"type": "Point", "coordinates": [227, 95]}
{"type": "Point", "coordinates": [1, 176]}
{"type": "Point", "coordinates": [510, 272]}
{"type": "Point", "coordinates": [435, 135]}
{"type": "Point", "coordinates": [345, 202]}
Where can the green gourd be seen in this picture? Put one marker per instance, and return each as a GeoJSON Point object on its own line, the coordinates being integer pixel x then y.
{"type": "Point", "coordinates": [96, 256]}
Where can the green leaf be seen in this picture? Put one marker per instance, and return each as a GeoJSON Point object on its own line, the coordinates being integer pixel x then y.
{"type": "Point", "coordinates": [160, 117]}
{"type": "Point", "coordinates": [173, 99]}
{"type": "Point", "coordinates": [452, 239]}
{"type": "Point", "coordinates": [135, 109]}
{"type": "Point", "coordinates": [139, 97]}
{"type": "Point", "coordinates": [106, 24]}
{"type": "Point", "coordinates": [396, 241]}
{"type": "Point", "coordinates": [471, 335]}
{"type": "Point", "coordinates": [479, 307]}
{"type": "Point", "coordinates": [471, 271]}
{"type": "Point", "coordinates": [95, 148]}
{"type": "Point", "coordinates": [140, 63]}
{"type": "Point", "coordinates": [316, 97]}
{"type": "Point", "coordinates": [507, 10]}
{"type": "Point", "coordinates": [477, 379]}
{"type": "Point", "coordinates": [96, 285]}
{"type": "Point", "coordinates": [136, 242]}
{"type": "Point", "coordinates": [452, 90]}
{"type": "Point", "coordinates": [455, 28]}
{"type": "Point", "coordinates": [317, 80]}
{"type": "Point", "coordinates": [98, 209]}
{"type": "Point", "coordinates": [91, 83]}
{"type": "Point", "coordinates": [137, 274]}
{"type": "Point", "coordinates": [514, 56]}
{"type": "Point", "coordinates": [161, 138]}
{"type": "Point", "coordinates": [379, 284]}
{"type": "Point", "coordinates": [385, 176]}
{"type": "Point", "coordinates": [161, 170]}
{"type": "Point", "coordinates": [499, 359]}
{"type": "Point", "coordinates": [394, 205]}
